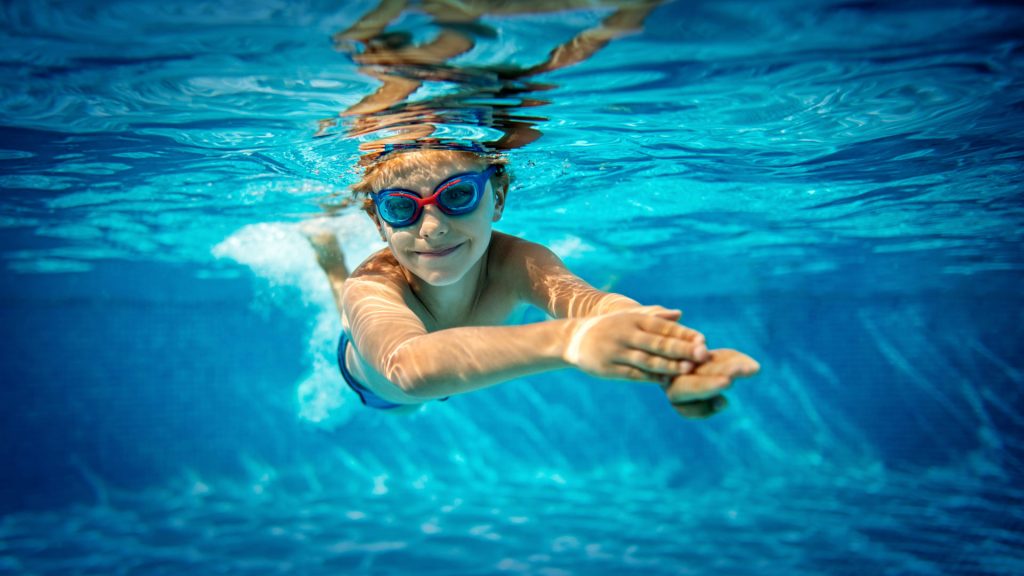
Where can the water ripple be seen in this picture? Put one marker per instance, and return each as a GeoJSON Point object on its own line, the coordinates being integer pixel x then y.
{"type": "Point", "coordinates": [857, 130]}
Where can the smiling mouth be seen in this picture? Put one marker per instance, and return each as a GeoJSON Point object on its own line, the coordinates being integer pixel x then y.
{"type": "Point", "coordinates": [440, 253]}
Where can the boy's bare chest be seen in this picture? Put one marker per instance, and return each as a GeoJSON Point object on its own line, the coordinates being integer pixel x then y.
{"type": "Point", "coordinates": [491, 308]}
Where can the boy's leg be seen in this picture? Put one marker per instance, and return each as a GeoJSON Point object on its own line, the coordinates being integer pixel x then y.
{"type": "Point", "coordinates": [331, 260]}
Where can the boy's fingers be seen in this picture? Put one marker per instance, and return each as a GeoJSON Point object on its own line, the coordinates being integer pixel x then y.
{"type": "Point", "coordinates": [654, 364]}
{"type": "Point", "coordinates": [664, 327]}
{"type": "Point", "coordinates": [728, 363]}
{"type": "Point", "coordinates": [690, 387]}
{"type": "Point", "coordinates": [672, 348]}
{"type": "Point", "coordinates": [702, 408]}
{"type": "Point", "coordinates": [660, 311]}
{"type": "Point", "coordinates": [626, 372]}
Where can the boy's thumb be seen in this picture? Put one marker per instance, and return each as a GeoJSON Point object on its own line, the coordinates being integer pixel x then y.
{"type": "Point", "coordinates": [669, 314]}
{"type": "Point", "coordinates": [658, 311]}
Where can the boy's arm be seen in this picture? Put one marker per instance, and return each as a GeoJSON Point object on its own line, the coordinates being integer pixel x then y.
{"type": "Point", "coordinates": [544, 281]}
{"type": "Point", "coordinates": [548, 284]}
{"type": "Point", "coordinates": [395, 343]}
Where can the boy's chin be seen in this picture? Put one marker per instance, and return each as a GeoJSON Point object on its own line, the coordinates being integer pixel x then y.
{"type": "Point", "coordinates": [437, 278]}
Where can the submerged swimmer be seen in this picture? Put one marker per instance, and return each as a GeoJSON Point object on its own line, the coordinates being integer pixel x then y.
{"type": "Point", "coordinates": [423, 319]}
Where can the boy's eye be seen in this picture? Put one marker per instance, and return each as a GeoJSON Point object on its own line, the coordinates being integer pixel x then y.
{"type": "Point", "coordinates": [398, 208]}
{"type": "Point", "coordinates": [458, 195]}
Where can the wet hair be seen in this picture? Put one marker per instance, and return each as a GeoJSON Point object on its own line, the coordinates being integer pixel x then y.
{"type": "Point", "coordinates": [384, 169]}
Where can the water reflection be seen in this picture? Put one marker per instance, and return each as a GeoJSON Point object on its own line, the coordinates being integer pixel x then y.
{"type": "Point", "coordinates": [482, 104]}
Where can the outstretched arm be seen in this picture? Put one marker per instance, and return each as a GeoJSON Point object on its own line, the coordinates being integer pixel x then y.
{"type": "Point", "coordinates": [394, 342]}
{"type": "Point", "coordinates": [549, 285]}
{"type": "Point", "coordinates": [694, 392]}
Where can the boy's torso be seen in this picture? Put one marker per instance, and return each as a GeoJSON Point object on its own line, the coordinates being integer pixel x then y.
{"type": "Point", "coordinates": [498, 297]}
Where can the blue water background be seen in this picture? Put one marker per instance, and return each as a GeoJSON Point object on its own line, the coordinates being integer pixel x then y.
{"type": "Point", "coordinates": [831, 187]}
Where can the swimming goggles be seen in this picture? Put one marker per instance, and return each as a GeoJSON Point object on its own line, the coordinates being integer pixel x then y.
{"type": "Point", "coordinates": [458, 195]}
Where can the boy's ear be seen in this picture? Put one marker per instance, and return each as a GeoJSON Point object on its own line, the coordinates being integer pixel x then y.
{"type": "Point", "coordinates": [499, 203]}
{"type": "Point", "coordinates": [380, 229]}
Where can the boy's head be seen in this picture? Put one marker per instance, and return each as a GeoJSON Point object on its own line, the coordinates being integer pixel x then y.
{"type": "Point", "coordinates": [441, 239]}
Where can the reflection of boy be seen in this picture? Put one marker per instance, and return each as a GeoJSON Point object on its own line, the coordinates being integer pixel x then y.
{"type": "Point", "coordinates": [424, 316]}
{"type": "Point", "coordinates": [392, 57]}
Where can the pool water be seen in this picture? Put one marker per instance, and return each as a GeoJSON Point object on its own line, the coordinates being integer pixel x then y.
{"type": "Point", "coordinates": [831, 187]}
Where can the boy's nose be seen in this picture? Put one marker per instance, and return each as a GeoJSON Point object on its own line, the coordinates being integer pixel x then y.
{"type": "Point", "coordinates": [434, 223]}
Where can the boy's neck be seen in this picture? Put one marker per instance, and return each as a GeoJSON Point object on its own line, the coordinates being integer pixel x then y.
{"type": "Point", "coordinates": [451, 305]}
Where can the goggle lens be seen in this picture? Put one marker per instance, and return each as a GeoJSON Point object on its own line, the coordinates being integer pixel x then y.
{"type": "Point", "coordinates": [396, 208]}
{"type": "Point", "coordinates": [457, 197]}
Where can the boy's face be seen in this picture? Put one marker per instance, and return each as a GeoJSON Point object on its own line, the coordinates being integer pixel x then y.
{"type": "Point", "coordinates": [438, 248]}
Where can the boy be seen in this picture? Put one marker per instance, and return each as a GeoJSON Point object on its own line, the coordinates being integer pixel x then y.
{"type": "Point", "coordinates": [422, 319]}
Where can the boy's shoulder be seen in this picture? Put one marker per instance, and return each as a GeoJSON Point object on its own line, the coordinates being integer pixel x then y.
{"type": "Point", "coordinates": [514, 259]}
{"type": "Point", "coordinates": [515, 245]}
{"type": "Point", "coordinates": [513, 252]}
{"type": "Point", "coordinates": [381, 266]}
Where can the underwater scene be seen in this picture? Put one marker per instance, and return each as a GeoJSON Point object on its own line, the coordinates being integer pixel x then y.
{"type": "Point", "coordinates": [831, 191]}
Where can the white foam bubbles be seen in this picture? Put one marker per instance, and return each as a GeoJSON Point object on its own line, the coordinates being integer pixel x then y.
{"type": "Point", "coordinates": [279, 253]}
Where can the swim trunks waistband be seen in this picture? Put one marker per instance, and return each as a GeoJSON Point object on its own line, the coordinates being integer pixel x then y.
{"type": "Point", "coordinates": [367, 396]}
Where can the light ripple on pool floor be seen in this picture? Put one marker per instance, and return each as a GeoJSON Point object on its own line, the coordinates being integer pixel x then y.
{"type": "Point", "coordinates": [867, 522]}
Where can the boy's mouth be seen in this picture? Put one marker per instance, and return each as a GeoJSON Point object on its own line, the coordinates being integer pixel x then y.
{"type": "Point", "coordinates": [439, 253]}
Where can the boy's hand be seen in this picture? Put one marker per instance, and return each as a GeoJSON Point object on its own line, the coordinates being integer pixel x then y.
{"type": "Point", "coordinates": [640, 344]}
{"type": "Point", "coordinates": [698, 395]}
